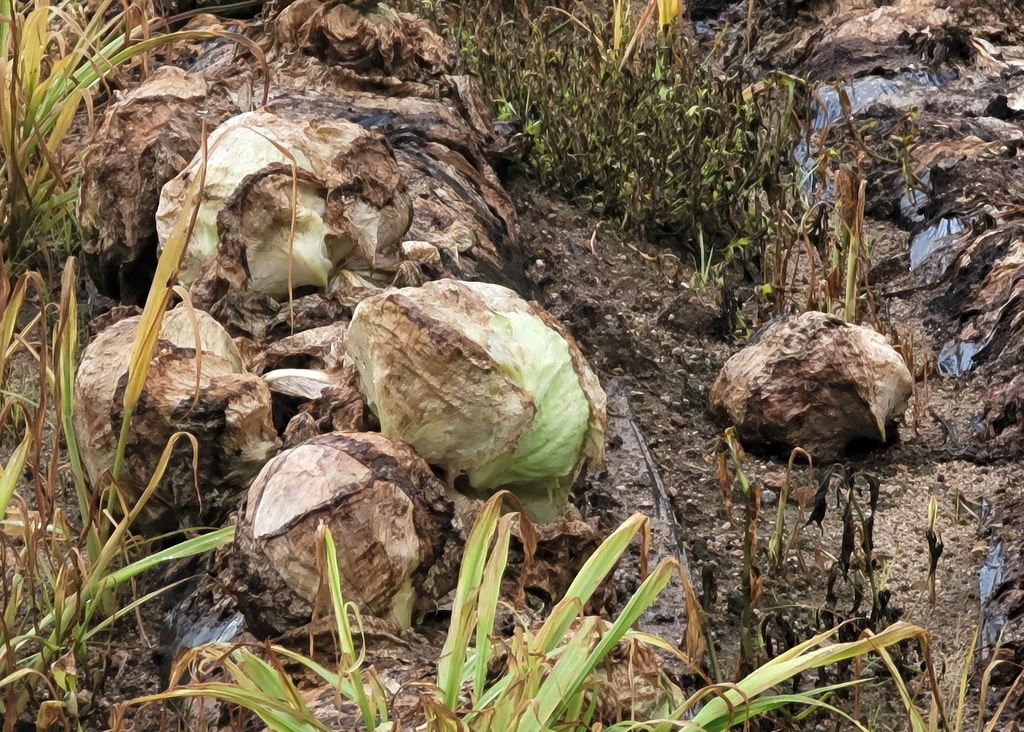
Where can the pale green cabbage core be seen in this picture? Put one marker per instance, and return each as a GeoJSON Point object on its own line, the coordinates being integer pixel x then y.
{"type": "Point", "coordinates": [242, 152]}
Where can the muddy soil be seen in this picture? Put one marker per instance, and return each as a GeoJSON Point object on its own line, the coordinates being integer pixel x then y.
{"type": "Point", "coordinates": [668, 342]}
{"type": "Point", "coordinates": [945, 276]}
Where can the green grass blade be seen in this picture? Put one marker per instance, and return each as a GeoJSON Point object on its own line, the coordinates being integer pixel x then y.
{"type": "Point", "coordinates": [348, 651]}
{"type": "Point", "coordinates": [189, 548]}
{"type": "Point", "coordinates": [12, 472]}
{"type": "Point", "coordinates": [563, 680]}
{"type": "Point", "coordinates": [277, 715]}
{"type": "Point", "coordinates": [330, 677]}
{"type": "Point", "coordinates": [453, 655]}
{"type": "Point", "coordinates": [590, 577]}
{"type": "Point", "coordinates": [66, 350]}
{"type": "Point", "coordinates": [800, 658]}
{"type": "Point", "coordinates": [9, 319]}
{"type": "Point", "coordinates": [570, 673]}
{"type": "Point", "coordinates": [487, 602]}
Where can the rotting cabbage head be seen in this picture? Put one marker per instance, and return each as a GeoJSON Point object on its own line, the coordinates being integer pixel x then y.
{"type": "Point", "coordinates": [399, 534]}
{"type": "Point", "coordinates": [481, 383]}
{"type": "Point", "coordinates": [212, 397]}
{"type": "Point", "coordinates": [317, 192]}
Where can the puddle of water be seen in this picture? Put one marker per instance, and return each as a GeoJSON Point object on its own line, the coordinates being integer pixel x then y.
{"type": "Point", "coordinates": [938, 243]}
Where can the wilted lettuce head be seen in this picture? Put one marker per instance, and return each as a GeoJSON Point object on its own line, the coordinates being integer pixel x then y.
{"type": "Point", "coordinates": [481, 383]}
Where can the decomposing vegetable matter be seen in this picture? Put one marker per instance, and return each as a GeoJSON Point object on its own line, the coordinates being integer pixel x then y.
{"type": "Point", "coordinates": [482, 384]}
{"type": "Point", "coordinates": [399, 534]}
{"type": "Point", "coordinates": [145, 140]}
{"type": "Point", "coordinates": [227, 410]}
{"type": "Point", "coordinates": [285, 202]}
{"type": "Point", "coordinates": [816, 382]}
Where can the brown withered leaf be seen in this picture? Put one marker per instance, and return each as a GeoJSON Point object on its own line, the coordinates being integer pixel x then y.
{"type": "Point", "coordinates": [287, 201]}
{"type": "Point", "coordinates": [266, 321]}
{"type": "Point", "coordinates": [340, 407]}
{"type": "Point", "coordinates": [321, 348]}
{"type": "Point", "coordinates": [373, 42]}
{"type": "Point", "coordinates": [145, 139]}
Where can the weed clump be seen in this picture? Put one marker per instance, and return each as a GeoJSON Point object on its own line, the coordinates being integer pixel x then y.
{"type": "Point", "coordinates": [670, 144]}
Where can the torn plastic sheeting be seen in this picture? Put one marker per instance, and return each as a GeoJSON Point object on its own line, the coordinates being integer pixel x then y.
{"type": "Point", "coordinates": [991, 316]}
{"type": "Point", "coordinates": [957, 358]}
{"type": "Point", "coordinates": [861, 93]}
{"type": "Point", "coordinates": [939, 240]}
{"type": "Point", "coordinates": [990, 575]}
{"type": "Point", "coordinates": [915, 199]}
{"type": "Point", "coordinates": [870, 89]}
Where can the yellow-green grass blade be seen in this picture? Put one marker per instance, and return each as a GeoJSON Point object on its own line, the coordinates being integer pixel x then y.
{"type": "Point", "coordinates": [12, 472]}
{"type": "Point", "coordinates": [453, 655]}
{"type": "Point", "coordinates": [571, 673]}
{"type": "Point", "coordinates": [716, 713]}
{"type": "Point", "coordinates": [590, 577]}
{"type": "Point", "coordinates": [348, 651]}
{"type": "Point", "coordinates": [487, 601]}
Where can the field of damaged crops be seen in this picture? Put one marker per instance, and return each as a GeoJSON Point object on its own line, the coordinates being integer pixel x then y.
{"type": "Point", "coordinates": [490, 366]}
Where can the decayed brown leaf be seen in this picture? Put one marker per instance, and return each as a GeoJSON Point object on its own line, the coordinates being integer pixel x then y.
{"type": "Point", "coordinates": [265, 321]}
{"type": "Point", "coordinates": [1004, 419]}
{"type": "Point", "coordinates": [561, 548]}
{"type": "Point", "coordinates": [374, 42]}
{"type": "Point", "coordinates": [146, 139]}
{"type": "Point", "coordinates": [390, 72]}
{"type": "Point", "coordinates": [322, 348]}
{"type": "Point", "coordinates": [338, 407]}
{"type": "Point", "coordinates": [459, 205]}
{"type": "Point", "coordinates": [286, 202]}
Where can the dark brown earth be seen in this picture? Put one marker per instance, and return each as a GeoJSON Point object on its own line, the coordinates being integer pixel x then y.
{"type": "Point", "coordinates": [668, 344]}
